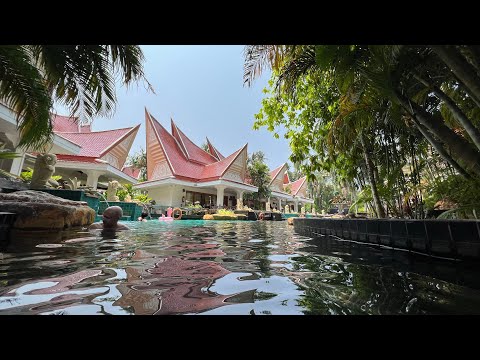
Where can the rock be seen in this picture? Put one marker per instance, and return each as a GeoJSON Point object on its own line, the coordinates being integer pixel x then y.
{"type": "Point", "coordinates": [12, 184]}
{"type": "Point", "coordinates": [38, 210]}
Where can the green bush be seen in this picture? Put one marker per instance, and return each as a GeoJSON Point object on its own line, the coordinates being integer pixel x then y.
{"type": "Point", "coordinates": [225, 212]}
{"type": "Point", "coordinates": [457, 189]}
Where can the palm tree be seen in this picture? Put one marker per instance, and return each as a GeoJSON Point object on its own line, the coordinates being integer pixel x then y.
{"type": "Point", "coordinates": [82, 77]}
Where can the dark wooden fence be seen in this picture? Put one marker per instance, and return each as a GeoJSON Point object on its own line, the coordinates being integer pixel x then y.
{"type": "Point", "coordinates": [446, 238]}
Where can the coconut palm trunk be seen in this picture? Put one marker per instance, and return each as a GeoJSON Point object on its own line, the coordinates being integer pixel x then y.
{"type": "Point", "coordinates": [371, 177]}
{"type": "Point", "coordinates": [462, 151]}
{"type": "Point", "coordinates": [457, 113]}
{"type": "Point", "coordinates": [439, 148]}
{"type": "Point", "coordinates": [461, 68]}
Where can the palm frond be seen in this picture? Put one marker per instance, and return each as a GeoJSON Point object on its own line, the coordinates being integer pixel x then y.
{"type": "Point", "coordinates": [258, 57]}
{"type": "Point", "coordinates": [303, 61]}
{"type": "Point", "coordinates": [23, 89]}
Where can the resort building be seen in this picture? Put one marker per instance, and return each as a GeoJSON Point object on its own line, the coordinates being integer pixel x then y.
{"type": "Point", "coordinates": [284, 192]}
{"type": "Point", "coordinates": [180, 172]}
{"type": "Point", "coordinates": [90, 156]}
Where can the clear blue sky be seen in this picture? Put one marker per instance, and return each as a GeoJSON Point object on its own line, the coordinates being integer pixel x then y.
{"type": "Point", "coordinates": [201, 88]}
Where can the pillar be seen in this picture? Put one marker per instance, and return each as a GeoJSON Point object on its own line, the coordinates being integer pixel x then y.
{"type": "Point", "coordinates": [240, 200]}
{"type": "Point", "coordinates": [17, 164]}
{"type": "Point", "coordinates": [92, 178]}
{"type": "Point", "coordinates": [220, 191]}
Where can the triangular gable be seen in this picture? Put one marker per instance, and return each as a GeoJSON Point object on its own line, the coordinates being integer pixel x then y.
{"type": "Point", "coordinates": [214, 152]}
{"type": "Point", "coordinates": [117, 153]}
{"type": "Point", "coordinates": [97, 143]}
{"type": "Point", "coordinates": [217, 169]}
{"type": "Point", "coordinates": [299, 187]}
{"type": "Point", "coordinates": [178, 138]}
{"type": "Point", "coordinates": [286, 178]}
{"type": "Point", "coordinates": [236, 171]}
{"type": "Point", "coordinates": [277, 177]}
{"type": "Point", "coordinates": [158, 165]}
{"type": "Point", "coordinates": [194, 152]}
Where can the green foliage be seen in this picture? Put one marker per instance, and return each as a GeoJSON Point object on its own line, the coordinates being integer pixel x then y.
{"type": "Point", "coordinates": [205, 147]}
{"type": "Point", "coordinates": [225, 212]}
{"type": "Point", "coordinates": [260, 176]}
{"type": "Point", "coordinates": [127, 189]}
{"type": "Point", "coordinates": [82, 77]}
{"type": "Point", "coordinates": [454, 189]}
{"type": "Point", "coordinates": [139, 161]}
{"type": "Point", "coordinates": [143, 198]}
{"type": "Point", "coordinates": [27, 175]}
{"type": "Point", "coordinates": [192, 206]}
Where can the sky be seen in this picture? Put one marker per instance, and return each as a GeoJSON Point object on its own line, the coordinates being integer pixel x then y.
{"type": "Point", "coordinates": [201, 88]}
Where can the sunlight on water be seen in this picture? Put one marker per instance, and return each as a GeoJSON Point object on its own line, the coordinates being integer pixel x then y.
{"type": "Point", "coordinates": [215, 267]}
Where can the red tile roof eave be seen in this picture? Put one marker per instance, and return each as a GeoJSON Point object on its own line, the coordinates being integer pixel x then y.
{"type": "Point", "coordinates": [234, 158]}
{"type": "Point", "coordinates": [182, 146]}
{"type": "Point", "coordinates": [159, 141]}
{"type": "Point", "coordinates": [301, 184]}
{"type": "Point", "coordinates": [64, 138]}
{"type": "Point", "coordinates": [217, 153]}
{"type": "Point", "coordinates": [276, 172]}
{"type": "Point", "coordinates": [196, 148]}
{"type": "Point", "coordinates": [120, 139]}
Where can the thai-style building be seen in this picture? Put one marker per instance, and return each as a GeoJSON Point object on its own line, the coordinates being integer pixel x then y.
{"type": "Point", "coordinates": [90, 156]}
{"type": "Point", "coordinates": [179, 172]}
{"type": "Point", "coordinates": [284, 192]}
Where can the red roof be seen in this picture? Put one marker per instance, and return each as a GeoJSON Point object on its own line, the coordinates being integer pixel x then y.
{"type": "Point", "coordinates": [96, 143]}
{"type": "Point", "coordinates": [131, 171]}
{"type": "Point", "coordinates": [214, 151]}
{"type": "Point", "coordinates": [68, 124]}
{"type": "Point", "coordinates": [286, 179]}
{"type": "Point", "coordinates": [296, 185]}
{"type": "Point", "coordinates": [77, 158]}
{"type": "Point", "coordinates": [186, 160]}
{"type": "Point", "coordinates": [274, 173]}
{"type": "Point", "coordinates": [193, 152]}
{"type": "Point", "coordinates": [217, 169]}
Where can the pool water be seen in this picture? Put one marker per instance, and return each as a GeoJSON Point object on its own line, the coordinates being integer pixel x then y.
{"type": "Point", "coordinates": [218, 267]}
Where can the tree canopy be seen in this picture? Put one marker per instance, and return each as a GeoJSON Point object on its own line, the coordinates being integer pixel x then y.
{"type": "Point", "coordinates": [82, 77]}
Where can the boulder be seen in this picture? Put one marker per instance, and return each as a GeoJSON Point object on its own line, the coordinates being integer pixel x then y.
{"type": "Point", "coordinates": [38, 210]}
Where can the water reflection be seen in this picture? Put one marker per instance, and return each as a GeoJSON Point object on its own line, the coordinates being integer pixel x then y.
{"type": "Point", "coordinates": [197, 267]}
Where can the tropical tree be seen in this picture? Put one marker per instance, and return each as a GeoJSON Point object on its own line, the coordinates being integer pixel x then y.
{"type": "Point", "coordinates": [139, 161]}
{"type": "Point", "coordinates": [360, 109]}
{"type": "Point", "coordinates": [259, 174]}
{"type": "Point", "coordinates": [81, 77]}
{"type": "Point", "coordinates": [205, 147]}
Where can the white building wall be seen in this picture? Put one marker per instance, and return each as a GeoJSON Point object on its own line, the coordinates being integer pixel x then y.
{"type": "Point", "coordinates": [171, 195]}
{"type": "Point", "coordinates": [161, 195]}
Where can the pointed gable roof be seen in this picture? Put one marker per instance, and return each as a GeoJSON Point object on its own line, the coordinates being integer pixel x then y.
{"type": "Point", "coordinates": [97, 143]}
{"type": "Point", "coordinates": [286, 178]}
{"type": "Point", "coordinates": [214, 152]}
{"type": "Point", "coordinates": [180, 153]}
{"type": "Point", "coordinates": [274, 173]}
{"type": "Point", "coordinates": [297, 185]}
{"type": "Point", "coordinates": [193, 152]}
{"type": "Point", "coordinates": [219, 168]}
{"type": "Point", "coordinates": [179, 165]}
{"type": "Point", "coordinates": [131, 171]}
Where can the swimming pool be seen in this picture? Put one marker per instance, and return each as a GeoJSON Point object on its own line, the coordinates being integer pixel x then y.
{"type": "Point", "coordinates": [219, 267]}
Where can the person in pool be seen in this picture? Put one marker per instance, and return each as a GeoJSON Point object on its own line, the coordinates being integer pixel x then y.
{"type": "Point", "coordinates": [110, 218]}
{"type": "Point", "coordinates": [142, 217]}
